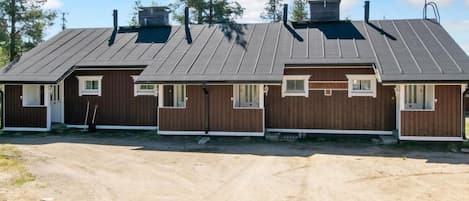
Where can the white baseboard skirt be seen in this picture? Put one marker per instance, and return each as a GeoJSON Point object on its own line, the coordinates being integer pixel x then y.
{"type": "Point", "coordinates": [213, 133]}
{"type": "Point", "coordinates": [26, 129]}
{"type": "Point", "coordinates": [327, 131]}
{"type": "Point", "coordinates": [431, 139]}
{"type": "Point", "coordinates": [104, 127]}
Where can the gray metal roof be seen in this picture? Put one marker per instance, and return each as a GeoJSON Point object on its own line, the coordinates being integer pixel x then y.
{"type": "Point", "coordinates": [401, 50]}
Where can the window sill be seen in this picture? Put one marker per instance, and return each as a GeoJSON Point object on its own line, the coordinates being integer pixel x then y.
{"type": "Point", "coordinates": [298, 94]}
{"type": "Point", "coordinates": [34, 106]}
{"type": "Point", "coordinates": [362, 94]}
{"type": "Point", "coordinates": [418, 110]}
{"type": "Point", "coordinates": [177, 108]}
{"type": "Point", "coordinates": [248, 108]}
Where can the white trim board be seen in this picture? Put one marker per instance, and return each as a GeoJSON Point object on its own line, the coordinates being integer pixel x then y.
{"type": "Point", "coordinates": [213, 133]}
{"type": "Point", "coordinates": [431, 139]}
{"type": "Point", "coordinates": [327, 131]}
{"type": "Point", "coordinates": [107, 127]}
{"type": "Point", "coordinates": [25, 129]}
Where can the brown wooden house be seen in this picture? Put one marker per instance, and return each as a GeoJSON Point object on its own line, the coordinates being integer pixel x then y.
{"type": "Point", "coordinates": [385, 77]}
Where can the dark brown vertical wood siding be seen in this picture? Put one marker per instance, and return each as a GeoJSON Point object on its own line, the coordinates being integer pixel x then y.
{"type": "Point", "coordinates": [117, 106]}
{"type": "Point", "coordinates": [445, 121]}
{"type": "Point", "coordinates": [18, 116]}
{"type": "Point", "coordinates": [190, 118]}
{"type": "Point", "coordinates": [338, 112]}
{"type": "Point", "coordinates": [222, 115]}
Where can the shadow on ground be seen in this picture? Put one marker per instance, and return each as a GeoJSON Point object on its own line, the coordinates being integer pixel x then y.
{"type": "Point", "coordinates": [325, 145]}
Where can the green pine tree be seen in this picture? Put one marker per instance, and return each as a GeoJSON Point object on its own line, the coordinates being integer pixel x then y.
{"type": "Point", "coordinates": [299, 11]}
{"type": "Point", "coordinates": [273, 11]}
{"type": "Point", "coordinates": [23, 25]}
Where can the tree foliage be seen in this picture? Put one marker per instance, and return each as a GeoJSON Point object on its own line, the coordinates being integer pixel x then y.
{"type": "Point", "coordinates": [24, 24]}
{"type": "Point", "coordinates": [272, 11]}
{"type": "Point", "coordinates": [136, 7]}
{"type": "Point", "coordinates": [211, 11]}
{"type": "Point", "coordinates": [299, 11]}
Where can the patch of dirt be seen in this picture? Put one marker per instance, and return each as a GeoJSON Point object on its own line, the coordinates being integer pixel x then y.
{"type": "Point", "coordinates": [86, 168]}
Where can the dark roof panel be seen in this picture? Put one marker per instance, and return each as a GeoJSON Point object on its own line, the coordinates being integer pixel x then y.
{"type": "Point", "coordinates": [401, 50]}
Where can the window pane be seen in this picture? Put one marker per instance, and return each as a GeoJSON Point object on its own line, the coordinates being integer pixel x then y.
{"type": "Point", "coordinates": [147, 87]}
{"type": "Point", "coordinates": [356, 85]}
{"type": "Point", "coordinates": [248, 96]}
{"type": "Point", "coordinates": [365, 85]}
{"type": "Point", "coordinates": [419, 97]}
{"type": "Point", "coordinates": [291, 85]}
{"type": "Point", "coordinates": [91, 85]}
{"type": "Point", "coordinates": [362, 85]}
{"type": "Point", "coordinates": [295, 85]}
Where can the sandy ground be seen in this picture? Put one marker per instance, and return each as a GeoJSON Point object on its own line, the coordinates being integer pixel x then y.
{"type": "Point", "coordinates": [85, 168]}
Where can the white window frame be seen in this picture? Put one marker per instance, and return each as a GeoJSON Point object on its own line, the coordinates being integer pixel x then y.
{"type": "Point", "coordinates": [403, 98]}
{"type": "Point", "coordinates": [82, 84]}
{"type": "Point", "coordinates": [161, 96]}
{"type": "Point", "coordinates": [371, 92]}
{"type": "Point", "coordinates": [286, 78]}
{"type": "Point", "coordinates": [146, 92]}
{"type": "Point", "coordinates": [235, 98]}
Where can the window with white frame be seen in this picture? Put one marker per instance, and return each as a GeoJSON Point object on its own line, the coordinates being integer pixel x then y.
{"type": "Point", "coordinates": [33, 95]}
{"type": "Point", "coordinates": [361, 85]}
{"type": "Point", "coordinates": [144, 89]}
{"type": "Point", "coordinates": [295, 85]}
{"type": "Point", "coordinates": [174, 96]}
{"type": "Point", "coordinates": [419, 97]}
{"type": "Point", "coordinates": [89, 85]}
{"type": "Point", "coordinates": [246, 96]}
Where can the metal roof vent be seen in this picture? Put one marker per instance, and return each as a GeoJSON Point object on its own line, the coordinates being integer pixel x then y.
{"type": "Point", "coordinates": [324, 10]}
{"type": "Point", "coordinates": [153, 16]}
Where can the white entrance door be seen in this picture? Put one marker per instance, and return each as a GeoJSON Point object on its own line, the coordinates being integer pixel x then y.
{"type": "Point", "coordinates": [56, 103]}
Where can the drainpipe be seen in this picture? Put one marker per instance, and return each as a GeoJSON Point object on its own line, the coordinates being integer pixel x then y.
{"type": "Point", "coordinates": [207, 109]}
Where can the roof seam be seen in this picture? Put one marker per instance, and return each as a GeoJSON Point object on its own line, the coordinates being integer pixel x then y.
{"type": "Point", "coordinates": [46, 46]}
{"type": "Point", "coordinates": [426, 48]}
{"type": "Point", "coordinates": [200, 52]}
{"type": "Point", "coordinates": [170, 52]}
{"type": "Point", "coordinates": [323, 45]}
{"type": "Point", "coordinates": [100, 54]}
{"type": "Point", "coordinates": [187, 49]}
{"type": "Point", "coordinates": [444, 48]}
{"type": "Point", "coordinates": [212, 55]}
{"type": "Point", "coordinates": [123, 46]}
{"type": "Point", "coordinates": [307, 43]}
{"type": "Point", "coordinates": [339, 48]}
{"type": "Point", "coordinates": [89, 52]}
{"type": "Point", "coordinates": [66, 51]}
{"type": "Point", "coordinates": [51, 51]}
{"type": "Point", "coordinates": [370, 41]}
{"type": "Point", "coordinates": [84, 47]}
{"type": "Point", "coordinates": [164, 45]}
{"type": "Point", "coordinates": [357, 54]}
{"type": "Point", "coordinates": [407, 46]}
{"type": "Point", "coordinates": [391, 50]}
{"type": "Point", "coordinates": [275, 50]}
{"type": "Point", "coordinates": [260, 49]}
{"type": "Point", "coordinates": [245, 50]}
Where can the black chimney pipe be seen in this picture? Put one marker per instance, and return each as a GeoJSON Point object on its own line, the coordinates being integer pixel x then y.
{"type": "Point", "coordinates": [285, 13]}
{"type": "Point", "coordinates": [367, 11]}
{"type": "Point", "coordinates": [115, 15]}
{"type": "Point", "coordinates": [186, 16]}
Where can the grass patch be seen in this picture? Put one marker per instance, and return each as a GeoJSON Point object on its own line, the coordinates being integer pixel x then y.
{"type": "Point", "coordinates": [12, 165]}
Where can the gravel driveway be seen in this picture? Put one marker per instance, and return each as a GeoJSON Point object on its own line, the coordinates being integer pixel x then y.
{"type": "Point", "coordinates": [87, 168]}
